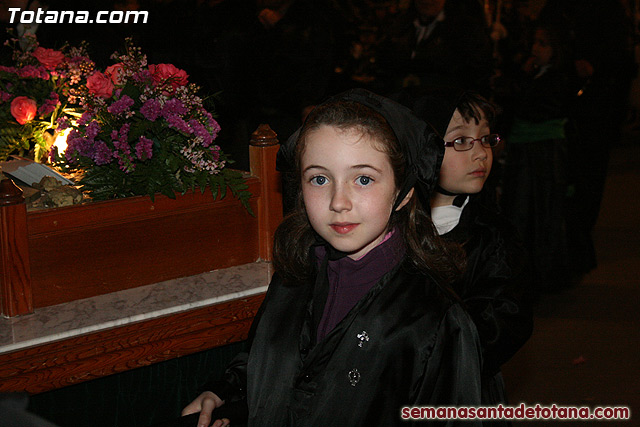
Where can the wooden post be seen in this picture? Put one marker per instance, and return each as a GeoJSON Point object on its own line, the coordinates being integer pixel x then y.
{"type": "Point", "coordinates": [15, 273]}
{"type": "Point", "coordinates": [263, 149]}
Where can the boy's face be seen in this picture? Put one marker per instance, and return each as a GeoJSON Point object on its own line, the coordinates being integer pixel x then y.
{"type": "Point", "coordinates": [465, 172]}
{"type": "Point", "coordinates": [541, 50]}
{"type": "Point", "coordinates": [349, 189]}
{"type": "Point", "coordinates": [429, 8]}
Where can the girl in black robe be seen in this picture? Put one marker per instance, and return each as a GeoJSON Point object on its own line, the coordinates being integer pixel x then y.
{"type": "Point", "coordinates": [346, 340]}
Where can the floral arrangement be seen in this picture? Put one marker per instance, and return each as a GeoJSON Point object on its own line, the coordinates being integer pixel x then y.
{"type": "Point", "coordinates": [35, 90]}
{"type": "Point", "coordinates": [145, 130]}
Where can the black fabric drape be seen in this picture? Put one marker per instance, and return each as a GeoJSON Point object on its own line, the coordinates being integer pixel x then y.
{"type": "Point", "coordinates": [422, 349]}
{"type": "Point", "coordinates": [496, 289]}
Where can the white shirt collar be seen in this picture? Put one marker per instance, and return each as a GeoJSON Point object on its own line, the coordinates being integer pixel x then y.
{"type": "Point", "coordinates": [445, 218]}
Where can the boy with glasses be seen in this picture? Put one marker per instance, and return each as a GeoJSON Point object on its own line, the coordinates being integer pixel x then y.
{"type": "Point", "coordinates": [496, 279]}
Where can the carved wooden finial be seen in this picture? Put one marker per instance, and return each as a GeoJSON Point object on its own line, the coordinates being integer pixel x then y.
{"type": "Point", "coordinates": [264, 136]}
{"type": "Point", "coordinates": [10, 193]}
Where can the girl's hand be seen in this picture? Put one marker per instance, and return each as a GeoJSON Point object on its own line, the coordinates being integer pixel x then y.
{"type": "Point", "coordinates": [205, 404]}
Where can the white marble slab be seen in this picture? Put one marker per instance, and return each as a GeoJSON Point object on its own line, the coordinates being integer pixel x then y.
{"type": "Point", "coordinates": [49, 324]}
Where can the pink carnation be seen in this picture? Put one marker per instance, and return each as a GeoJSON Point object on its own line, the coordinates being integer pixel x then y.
{"type": "Point", "coordinates": [48, 57]}
{"type": "Point", "coordinates": [116, 73]}
{"type": "Point", "coordinates": [23, 109]}
{"type": "Point", "coordinates": [100, 85]}
{"type": "Point", "coordinates": [168, 74]}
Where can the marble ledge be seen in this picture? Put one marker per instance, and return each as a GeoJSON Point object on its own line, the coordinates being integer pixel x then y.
{"type": "Point", "coordinates": [49, 324]}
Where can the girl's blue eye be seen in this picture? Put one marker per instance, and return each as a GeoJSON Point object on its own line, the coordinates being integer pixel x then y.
{"type": "Point", "coordinates": [364, 180]}
{"type": "Point", "coordinates": [319, 180]}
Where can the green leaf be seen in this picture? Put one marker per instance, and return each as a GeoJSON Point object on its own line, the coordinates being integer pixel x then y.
{"type": "Point", "coordinates": [131, 91]}
{"type": "Point", "coordinates": [168, 191]}
{"type": "Point", "coordinates": [10, 141]}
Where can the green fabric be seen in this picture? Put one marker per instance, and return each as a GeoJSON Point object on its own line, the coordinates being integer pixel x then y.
{"type": "Point", "coordinates": [137, 398]}
{"type": "Point", "coordinates": [524, 131]}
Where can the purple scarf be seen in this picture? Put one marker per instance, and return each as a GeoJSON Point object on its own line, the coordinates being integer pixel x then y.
{"type": "Point", "coordinates": [350, 280]}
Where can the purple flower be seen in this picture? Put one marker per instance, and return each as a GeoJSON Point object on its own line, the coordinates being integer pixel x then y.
{"type": "Point", "coordinates": [73, 134]}
{"type": "Point", "coordinates": [102, 154]}
{"type": "Point", "coordinates": [49, 105]}
{"type": "Point", "coordinates": [151, 109]}
{"type": "Point", "coordinates": [123, 150]}
{"type": "Point", "coordinates": [173, 107]}
{"type": "Point", "coordinates": [120, 106]}
{"type": "Point", "coordinates": [215, 126]}
{"type": "Point", "coordinates": [144, 148]}
{"type": "Point", "coordinates": [76, 145]}
{"type": "Point", "coordinates": [63, 123]}
{"type": "Point", "coordinates": [33, 71]}
{"type": "Point", "coordinates": [215, 153]}
{"type": "Point", "coordinates": [120, 138]}
{"type": "Point", "coordinates": [92, 130]}
{"type": "Point", "coordinates": [124, 131]}
{"type": "Point", "coordinates": [143, 76]}
{"type": "Point", "coordinates": [84, 118]}
{"type": "Point", "coordinates": [178, 123]}
{"type": "Point", "coordinates": [46, 108]}
{"type": "Point", "coordinates": [200, 131]}
{"type": "Point", "coordinates": [125, 162]}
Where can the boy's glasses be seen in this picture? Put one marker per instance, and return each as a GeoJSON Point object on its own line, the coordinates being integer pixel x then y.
{"type": "Point", "coordinates": [465, 143]}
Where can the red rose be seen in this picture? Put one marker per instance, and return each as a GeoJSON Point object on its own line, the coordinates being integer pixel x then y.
{"type": "Point", "coordinates": [48, 57]}
{"type": "Point", "coordinates": [23, 109]}
{"type": "Point", "coordinates": [100, 85]}
{"type": "Point", "coordinates": [168, 73]}
{"type": "Point", "coordinates": [116, 73]}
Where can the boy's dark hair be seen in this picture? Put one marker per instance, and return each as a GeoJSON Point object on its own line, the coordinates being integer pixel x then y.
{"type": "Point", "coordinates": [294, 237]}
{"type": "Point", "coordinates": [473, 106]}
{"type": "Point", "coordinates": [438, 106]}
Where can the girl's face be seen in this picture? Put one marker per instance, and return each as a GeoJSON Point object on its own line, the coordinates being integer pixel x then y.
{"type": "Point", "coordinates": [348, 187]}
{"type": "Point", "coordinates": [465, 172]}
{"type": "Point", "coordinates": [541, 50]}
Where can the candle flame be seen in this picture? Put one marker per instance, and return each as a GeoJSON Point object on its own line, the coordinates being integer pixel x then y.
{"type": "Point", "coordinates": [61, 140]}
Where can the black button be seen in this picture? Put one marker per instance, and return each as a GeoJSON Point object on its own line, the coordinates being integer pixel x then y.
{"type": "Point", "coordinates": [306, 378]}
{"type": "Point", "coordinates": [304, 351]}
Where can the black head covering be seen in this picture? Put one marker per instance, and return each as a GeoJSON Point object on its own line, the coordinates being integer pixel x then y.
{"type": "Point", "coordinates": [437, 107]}
{"type": "Point", "coordinates": [422, 147]}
